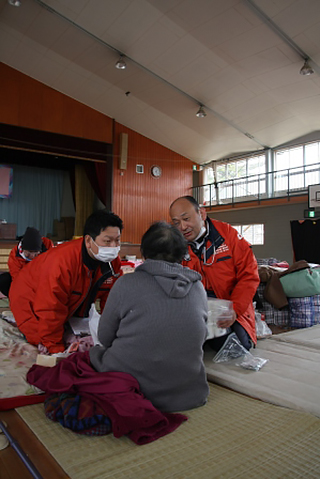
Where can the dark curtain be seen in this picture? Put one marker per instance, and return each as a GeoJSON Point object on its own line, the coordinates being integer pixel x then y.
{"type": "Point", "coordinates": [306, 240]}
{"type": "Point", "coordinates": [97, 175]}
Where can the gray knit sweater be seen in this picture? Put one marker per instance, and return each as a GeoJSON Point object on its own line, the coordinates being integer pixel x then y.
{"type": "Point", "coordinates": [153, 327]}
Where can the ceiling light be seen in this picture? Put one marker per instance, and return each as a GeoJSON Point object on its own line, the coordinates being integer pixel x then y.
{"type": "Point", "coordinates": [201, 113]}
{"type": "Point", "coordinates": [14, 3]}
{"type": "Point", "coordinates": [306, 69]}
{"type": "Point", "coordinates": [121, 64]}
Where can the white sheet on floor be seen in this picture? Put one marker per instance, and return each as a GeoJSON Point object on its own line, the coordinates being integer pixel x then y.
{"type": "Point", "coordinates": [290, 378]}
{"type": "Point", "coordinates": [305, 337]}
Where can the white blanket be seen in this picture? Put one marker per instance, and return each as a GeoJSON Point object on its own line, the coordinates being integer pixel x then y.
{"type": "Point", "coordinates": [305, 337]}
{"type": "Point", "coordinates": [290, 378]}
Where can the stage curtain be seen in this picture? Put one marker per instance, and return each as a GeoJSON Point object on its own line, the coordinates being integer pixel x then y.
{"type": "Point", "coordinates": [84, 196]}
{"type": "Point", "coordinates": [97, 174]}
{"type": "Point", "coordinates": [36, 199]}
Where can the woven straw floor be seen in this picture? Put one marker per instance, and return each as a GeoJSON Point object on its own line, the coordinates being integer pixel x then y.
{"type": "Point", "coordinates": [233, 436]}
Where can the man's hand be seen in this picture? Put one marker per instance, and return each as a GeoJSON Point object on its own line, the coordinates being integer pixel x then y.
{"type": "Point", "coordinates": [227, 319]}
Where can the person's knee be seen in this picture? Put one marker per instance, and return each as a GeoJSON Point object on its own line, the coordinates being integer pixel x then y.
{"type": "Point", "coordinates": [242, 335]}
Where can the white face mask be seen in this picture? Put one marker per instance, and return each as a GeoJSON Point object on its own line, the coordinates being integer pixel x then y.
{"type": "Point", "coordinates": [106, 253]}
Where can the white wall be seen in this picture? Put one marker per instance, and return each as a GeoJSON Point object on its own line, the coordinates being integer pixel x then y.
{"type": "Point", "coordinates": [277, 232]}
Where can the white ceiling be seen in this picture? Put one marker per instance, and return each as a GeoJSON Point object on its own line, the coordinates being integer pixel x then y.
{"type": "Point", "coordinates": [219, 53]}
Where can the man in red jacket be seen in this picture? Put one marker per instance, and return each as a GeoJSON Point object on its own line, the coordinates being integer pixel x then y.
{"type": "Point", "coordinates": [31, 245]}
{"type": "Point", "coordinates": [226, 262]}
{"type": "Point", "coordinates": [66, 280]}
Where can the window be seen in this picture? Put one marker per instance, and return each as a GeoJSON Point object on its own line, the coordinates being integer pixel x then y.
{"type": "Point", "coordinates": [241, 178]}
{"type": "Point", "coordinates": [254, 234]}
{"type": "Point", "coordinates": [278, 172]}
{"type": "Point", "coordinates": [296, 167]}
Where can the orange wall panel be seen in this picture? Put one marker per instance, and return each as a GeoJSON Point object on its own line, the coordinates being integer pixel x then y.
{"type": "Point", "coordinates": [31, 104]}
{"type": "Point", "coordinates": [53, 102]}
{"type": "Point", "coordinates": [9, 105]}
{"type": "Point", "coordinates": [140, 199]}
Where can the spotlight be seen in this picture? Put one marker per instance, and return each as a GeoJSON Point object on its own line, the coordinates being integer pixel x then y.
{"type": "Point", "coordinates": [201, 113]}
{"type": "Point", "coordinates": [306, 69]}
{"type": "Point", "coordinates": [121, 64]}
{"type": "Point", "coordinates": [14, 3]}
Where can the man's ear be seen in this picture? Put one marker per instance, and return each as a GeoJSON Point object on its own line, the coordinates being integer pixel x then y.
{"type": "Point", "coordinates": [203, 213]}
{"type": "Point", "coordinates": [87, 241]}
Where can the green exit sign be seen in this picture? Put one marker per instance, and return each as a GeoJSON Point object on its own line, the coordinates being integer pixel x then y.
{"type": "Point", "coordinates": [309, 214]}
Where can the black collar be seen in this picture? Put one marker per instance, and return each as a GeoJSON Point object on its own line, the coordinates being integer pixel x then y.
{"type": "Point", "coordinates": [212, 240]}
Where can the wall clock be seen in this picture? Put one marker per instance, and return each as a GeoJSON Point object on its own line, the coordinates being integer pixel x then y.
{"type": "Point", "coordinates": [156, 171]}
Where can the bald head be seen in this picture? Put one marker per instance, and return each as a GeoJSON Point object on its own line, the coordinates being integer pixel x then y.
{"type": "Point", "coordinates": [187, 217]}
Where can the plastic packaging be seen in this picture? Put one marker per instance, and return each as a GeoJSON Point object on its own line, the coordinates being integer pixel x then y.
{"type": "Point", "coordinates": [94, 318]}
{"type": "Point", "coordinates": [233, 351]}
{"type": "Point", "coordinates": [262, 329]}
{"type": "Point", "coordinates": [218, 309]}
{"type": "Point", "coordinates": [251, 362]}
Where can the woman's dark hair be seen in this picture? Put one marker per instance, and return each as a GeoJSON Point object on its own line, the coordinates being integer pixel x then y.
{"type": "Point", "coordinates": [163, 242]}
{"type": "Point", "coordinates": [99, 221]}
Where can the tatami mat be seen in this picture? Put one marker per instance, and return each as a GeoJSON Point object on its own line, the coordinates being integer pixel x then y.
{"type": "Point", "coordinates": [233, 436]}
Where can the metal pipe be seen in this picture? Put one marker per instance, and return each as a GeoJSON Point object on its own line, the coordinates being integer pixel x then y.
{"type": "Point", "coordinates": [24, 458]}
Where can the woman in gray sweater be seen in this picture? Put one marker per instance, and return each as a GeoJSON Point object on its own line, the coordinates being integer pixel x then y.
{"type": "Point", "coordinates": [154, 325]}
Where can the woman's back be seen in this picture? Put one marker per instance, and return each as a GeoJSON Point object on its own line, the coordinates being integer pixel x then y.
{"type": "Point", "coordinates": [153, 327]}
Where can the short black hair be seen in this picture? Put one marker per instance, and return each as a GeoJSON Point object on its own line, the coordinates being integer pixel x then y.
{"type": "Point", "coordinates": [189, 198]}
{"type": "Point", "coordinates": [99, 221]}
{"type": "Point", "coordinates": [163, 242]}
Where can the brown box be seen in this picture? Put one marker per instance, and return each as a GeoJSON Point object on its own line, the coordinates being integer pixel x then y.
{"type": "Point", "coordinates": [8, 231]}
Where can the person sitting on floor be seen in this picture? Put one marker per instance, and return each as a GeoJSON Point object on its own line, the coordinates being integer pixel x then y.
{"type": "Point", "coordinates": [154, 325]}
{"type": "Point", "coordinates": [66, 280]}
{"type": "Point", "coordinates": [30, 246]}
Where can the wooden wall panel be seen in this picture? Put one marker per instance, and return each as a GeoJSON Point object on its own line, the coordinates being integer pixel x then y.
{"type": "Point", "coordinates": [31, 104]}
{"type": "Point", "coordinates": [140, 199]}
{"type": "Point", "coordinates": [9, 105]}
{"type": "Point", "coordinates": [53, 102]}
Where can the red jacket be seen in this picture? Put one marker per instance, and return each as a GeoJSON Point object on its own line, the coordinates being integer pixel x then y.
{"type": "Point", "coordinates": [231, 271]}
{"type": "Point", "coordinates": [16, 262]}
{"type": "Point", "coordinates": [50, 290]}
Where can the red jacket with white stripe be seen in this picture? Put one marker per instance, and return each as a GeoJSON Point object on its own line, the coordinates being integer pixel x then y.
{"type": "Point", "coordinates": [230, 270]}
{"type": "Point", "coordinates": [16, 262]}
{"type": "Point", "coordinates": [54, 286]}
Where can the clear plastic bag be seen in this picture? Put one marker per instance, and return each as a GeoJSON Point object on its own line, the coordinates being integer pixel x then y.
{"type": "Point", "coordinates": [251, 362]}
{"type": "Point", "coordinates": [94, 319]}
{"type": "Point", "coordinates": [218, 309]}
{"type": "Point", "coordinates": [232, 350]}
{"type": "Point", "coordinates": [262, 329]}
